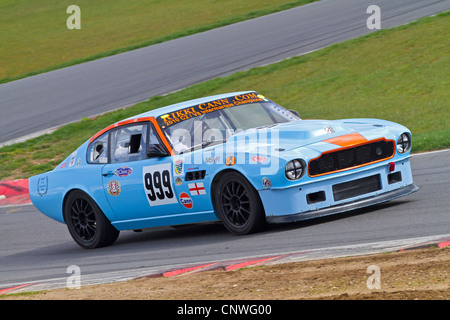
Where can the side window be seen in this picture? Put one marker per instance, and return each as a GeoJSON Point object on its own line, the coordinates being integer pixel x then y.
{"type": "Point", "coordinates": [98, 150]}
{"type": "Point", "coordinates": [128, 143]}
{"type": "Point", "coordinates": [153, 137]}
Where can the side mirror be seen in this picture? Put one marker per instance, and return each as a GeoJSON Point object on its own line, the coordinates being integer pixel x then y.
{"type": "Point", "coordinates": [156, 150]}
{"type": "Point", "coordinates": [294, 113]}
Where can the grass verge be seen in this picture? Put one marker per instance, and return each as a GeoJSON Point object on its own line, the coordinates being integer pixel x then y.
{"type": "Point", "coordinates": [37, 30]}
{"type": "Point", "coordinates": [399, 74]}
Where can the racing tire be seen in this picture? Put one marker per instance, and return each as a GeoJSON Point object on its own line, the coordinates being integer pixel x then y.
{"type": "Point", "coordinates": [86, 222]}
{"type": "Point", "coordinates": [238, 204]}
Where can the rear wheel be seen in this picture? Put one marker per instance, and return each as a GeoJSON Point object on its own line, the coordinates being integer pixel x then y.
{"type": "Point", "coordinates": [87, 224]}
{"type": "Point", "coordinates": [238, 204]}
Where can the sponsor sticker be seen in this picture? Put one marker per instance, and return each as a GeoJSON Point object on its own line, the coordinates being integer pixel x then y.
{"type": "Point", "coordinates": [329, 130]}
{"type": "Point", "coordinates": [262, 97]}
{"type": "Point", "coordinates": [178, 167]}
{"type": "Point", "coordinates": [178, 181]}
{"type": "Point", "coordinates": [123, 171]}
{"type": "Point", "coordinates": [186, 201]}
{"type": "Point", "coordinates": [212, 159]}
{"type": "Point", "coordinates": [259, 159]}
{"type": "Point", "coordinates": [196, 189]}
{"type": "Point", "coordinates": [171, 118]}
{"type": "Point", "coordinates": [114, 188]}
{"type": "Point", "coordinates": [73, 156]}
{"type": "Point", "coordinates": [42, 186]}
{"type": "Point", "coordinates": [266, 183]}
{"type": "Point", "coordinates": [230, 161]}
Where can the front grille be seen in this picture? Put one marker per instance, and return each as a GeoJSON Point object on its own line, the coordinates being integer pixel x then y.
{"type": "Point", "coordinates": [352, 157]}
{"type": "Point", "coordinates": [356, 187]}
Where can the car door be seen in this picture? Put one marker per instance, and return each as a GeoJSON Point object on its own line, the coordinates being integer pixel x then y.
{"type": "Point", "coordinates": [138, 184]}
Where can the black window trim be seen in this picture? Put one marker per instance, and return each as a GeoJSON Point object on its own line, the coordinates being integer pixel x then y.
{"type": "Point", "coordinates": [150, 127]}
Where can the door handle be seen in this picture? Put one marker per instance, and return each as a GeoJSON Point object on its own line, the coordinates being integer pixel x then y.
{"type": "Point", "coordinates": [107, 174]}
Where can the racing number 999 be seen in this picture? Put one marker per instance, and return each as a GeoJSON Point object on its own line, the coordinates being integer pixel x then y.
{"type": "Point", "coordinates": [158, 185]}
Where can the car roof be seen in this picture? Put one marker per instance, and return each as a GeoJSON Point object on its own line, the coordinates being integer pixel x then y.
{"type": "Point", "coordinates": [185, 104]}
{"type": "Point", "coordinates": [164, 110]}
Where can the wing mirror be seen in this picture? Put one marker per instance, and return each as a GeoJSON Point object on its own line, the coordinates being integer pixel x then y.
{"type": "Point", "coordinates": [156, 150]}
{"type": "Point", "coordinates": [294, 112]}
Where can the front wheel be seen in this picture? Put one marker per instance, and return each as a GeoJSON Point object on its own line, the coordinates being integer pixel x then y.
{"type": "Point", "coordinates": [87, 224]}
{"type": "Point", "coordinates": [238, 204]}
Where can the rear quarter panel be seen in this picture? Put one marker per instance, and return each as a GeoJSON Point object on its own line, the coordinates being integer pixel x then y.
{"type": "Point", "coordinates": [49, 190]}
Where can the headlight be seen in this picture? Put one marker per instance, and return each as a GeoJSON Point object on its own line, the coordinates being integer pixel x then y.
{"type": "Point", "coordinates": [295, 169]}
{"type": "Point", "coordinates": [404, 143]}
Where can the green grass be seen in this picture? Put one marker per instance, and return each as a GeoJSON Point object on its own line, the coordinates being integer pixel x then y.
{"type": "Point", "coordinates": [399, 74]}
{"type": "Point", "coordinates": [20, 294]}
{"type": "Point", "coordinates": [35, 39]}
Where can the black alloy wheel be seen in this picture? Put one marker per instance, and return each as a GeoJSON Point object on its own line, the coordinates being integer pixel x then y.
{"type": "Point", "coordinates": [87, 224]}
{"type": "Point", "coordinates": [238, 204]}
{"type": "Point", "coordinates": [83, 219]}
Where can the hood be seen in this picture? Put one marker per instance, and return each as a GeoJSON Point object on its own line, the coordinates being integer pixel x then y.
{"type": "Point", "coordinates": [301, 133]}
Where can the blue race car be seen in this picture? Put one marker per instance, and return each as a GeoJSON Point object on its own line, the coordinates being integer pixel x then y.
{"type": "Point", "coordinates": [238, 158]}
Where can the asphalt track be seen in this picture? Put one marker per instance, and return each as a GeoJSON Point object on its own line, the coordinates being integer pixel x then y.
{"type": "Point", "coordinates": [44, 101]}
{"type": "Point", "coordinates": [34, 248]}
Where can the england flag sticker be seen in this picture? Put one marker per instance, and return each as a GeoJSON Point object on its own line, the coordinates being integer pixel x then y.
{"type": "Point", "coordinates": [196, 189]}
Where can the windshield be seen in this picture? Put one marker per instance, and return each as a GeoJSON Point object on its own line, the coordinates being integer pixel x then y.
{"type": "Point", "coordinates": [213, 122]}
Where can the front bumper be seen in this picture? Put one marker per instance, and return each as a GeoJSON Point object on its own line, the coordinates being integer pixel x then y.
{"type": "Point", "coordinates": [339, 192]}
{"type": "Point", "coordinates": [344, 207]}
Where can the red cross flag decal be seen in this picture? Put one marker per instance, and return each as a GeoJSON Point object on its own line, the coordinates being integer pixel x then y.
{"type": "Point", "coordinates": [196, 189]}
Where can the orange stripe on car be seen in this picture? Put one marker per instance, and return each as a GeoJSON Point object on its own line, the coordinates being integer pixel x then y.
{"type": "Point", "coordinates": [347, 140]}
{"type": "Point", "coordinates": [136, 120]}
{"type": "Point", "coordinates": [161, 135]}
